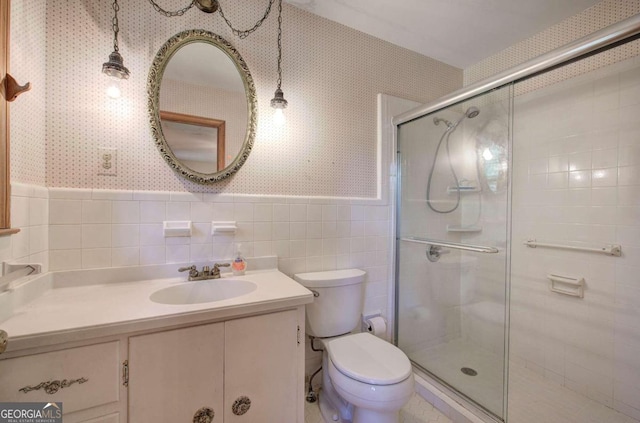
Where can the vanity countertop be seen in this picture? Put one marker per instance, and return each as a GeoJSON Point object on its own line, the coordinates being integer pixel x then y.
{"type": "Point", "coordinates": [70, 311]}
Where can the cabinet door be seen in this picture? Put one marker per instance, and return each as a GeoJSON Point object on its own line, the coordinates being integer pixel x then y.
{"type": "Point", "coordinates": [261, 364]}
{"type": "Point", "coordinates": [174, 374]}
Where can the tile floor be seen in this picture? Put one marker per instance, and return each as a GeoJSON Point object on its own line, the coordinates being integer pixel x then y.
{"type": "Point", "coordinates": [417, 410]}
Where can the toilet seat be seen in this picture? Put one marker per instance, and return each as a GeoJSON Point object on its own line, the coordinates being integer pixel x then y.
{"type": "Point", "coordinates": [372, 397]}
{"type": "Point", "coordinates": [368, 359]}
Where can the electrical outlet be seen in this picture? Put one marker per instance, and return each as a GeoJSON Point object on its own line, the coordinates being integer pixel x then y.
{"type": "Point", "coordinates": [107, 161]}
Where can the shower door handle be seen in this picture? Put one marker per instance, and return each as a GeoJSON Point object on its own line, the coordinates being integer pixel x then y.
{"type": "Point", "coordinates": [452, 245]}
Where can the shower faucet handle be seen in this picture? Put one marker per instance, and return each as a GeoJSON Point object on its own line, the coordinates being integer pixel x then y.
{"type": "Point", "coordinates": [434, 252]}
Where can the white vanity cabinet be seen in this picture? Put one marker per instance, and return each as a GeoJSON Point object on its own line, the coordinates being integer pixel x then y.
{"type": "Point", "coordinates": [241, 370]}
{"type": "Point", "coordinates": [127, 358]}
{"type": "Point", "coordinates": [85, 379]}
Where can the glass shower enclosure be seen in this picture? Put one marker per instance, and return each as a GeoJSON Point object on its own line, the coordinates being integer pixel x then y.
{"type": "Point", "coordinates": [452, 246]}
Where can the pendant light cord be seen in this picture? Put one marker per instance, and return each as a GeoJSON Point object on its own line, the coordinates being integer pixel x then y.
{"type": "Point", "coordinates": [115, 26]}
{"type": "Point", "coordinates": [169, 14]}
{"type": "Point", "coordinates": [244, 33]}
{"type": "Point", "coordinates": [279, 43]}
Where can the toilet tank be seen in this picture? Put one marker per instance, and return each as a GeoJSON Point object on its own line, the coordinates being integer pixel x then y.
{"type": "Point", "coordinates": [337, 306]}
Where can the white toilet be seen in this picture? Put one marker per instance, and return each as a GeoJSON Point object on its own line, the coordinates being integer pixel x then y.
{"type": "Point", "coordinates": [365, 379]}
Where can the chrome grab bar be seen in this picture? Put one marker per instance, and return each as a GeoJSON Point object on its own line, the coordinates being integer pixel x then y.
{"type": "Point", "coordinates": [452, 245]}
{"type": "Point", "coordinates": [609, 249]}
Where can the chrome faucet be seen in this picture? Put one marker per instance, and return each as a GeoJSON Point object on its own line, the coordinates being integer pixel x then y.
{"type": "Point", "coordinates": [205, 273]}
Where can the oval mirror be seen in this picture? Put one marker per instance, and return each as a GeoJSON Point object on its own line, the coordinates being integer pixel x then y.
{"type": "Point", "coordinates": [202, 106]}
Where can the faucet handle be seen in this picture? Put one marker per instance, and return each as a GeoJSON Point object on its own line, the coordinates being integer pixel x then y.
{"type": "Point", "coordinates": [215, 272]}
{"type": "Point", "coordinates": [193, 271]}
{"type": "Point", "coordinates": [184, 269]}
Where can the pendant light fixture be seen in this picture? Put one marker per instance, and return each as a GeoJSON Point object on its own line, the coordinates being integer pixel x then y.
{"type": "Point", "coordinates": [278, 102]}
{"type": "Point", "coordinates": [114, 67]}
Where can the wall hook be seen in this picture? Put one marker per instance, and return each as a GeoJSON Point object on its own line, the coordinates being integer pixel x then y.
{"type": "Point", "coordinates": [12, 89]}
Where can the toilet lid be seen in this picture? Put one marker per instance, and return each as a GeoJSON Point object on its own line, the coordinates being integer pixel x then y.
{"type": "Point", "coordinates": [368, 359]}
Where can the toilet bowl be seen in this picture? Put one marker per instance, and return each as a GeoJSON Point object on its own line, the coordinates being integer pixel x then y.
{"type": "Point", "coordinates": [372, 375]}
{"type": "Point", "coordinates": [365, 379]}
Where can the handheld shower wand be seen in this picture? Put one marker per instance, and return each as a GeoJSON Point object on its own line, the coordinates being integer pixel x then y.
{"type": "Point", "coordinates": [451, 127]}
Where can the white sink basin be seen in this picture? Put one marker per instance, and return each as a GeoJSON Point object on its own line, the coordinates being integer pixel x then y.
{"type": "Point", "coordinates": [203, 291]}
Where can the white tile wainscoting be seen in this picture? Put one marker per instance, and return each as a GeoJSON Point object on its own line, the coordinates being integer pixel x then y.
{"type": "Point", "coordinates": [68, 229]}
{"type": "Point", "coordinates": [104, 228]}
{"type": "Point", "coordinates": [108, 228]}
{"type": "Point", "coordinates": [30, 214]}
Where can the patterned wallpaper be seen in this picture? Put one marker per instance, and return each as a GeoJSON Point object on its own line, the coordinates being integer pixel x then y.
{"type": "Point", "coordinates": [27, 64]}
{"type": "Point", "coordinates": [590, 20]}
{"type": "Point", "coordinates": [331, 77]}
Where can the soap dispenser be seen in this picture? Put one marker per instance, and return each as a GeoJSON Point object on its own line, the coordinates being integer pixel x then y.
{"type": "Point", "coordinates": [239, 264]}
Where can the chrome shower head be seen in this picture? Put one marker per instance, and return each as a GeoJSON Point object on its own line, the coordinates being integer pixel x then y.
{"type": "Point", "coordinates": [472, 112]}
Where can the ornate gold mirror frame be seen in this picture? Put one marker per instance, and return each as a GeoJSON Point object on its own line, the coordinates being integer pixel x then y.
{"type": "Point", "coordinates": [154, 81]}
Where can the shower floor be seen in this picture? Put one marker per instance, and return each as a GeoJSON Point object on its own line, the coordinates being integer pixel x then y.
{"type": "Point", "coordinates": [446, 360]}
{"type": "Point", "coordinates": [532, 398]}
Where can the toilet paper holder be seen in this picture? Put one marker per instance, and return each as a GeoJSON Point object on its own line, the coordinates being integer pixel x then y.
{"type": "Point", "coordinates": [366, 325]}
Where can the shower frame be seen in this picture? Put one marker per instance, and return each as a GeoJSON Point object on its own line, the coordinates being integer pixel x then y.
{"type": "Point", "coordinates": [607, 38]}
{"type": "Point", "coordinates": [612, 36]}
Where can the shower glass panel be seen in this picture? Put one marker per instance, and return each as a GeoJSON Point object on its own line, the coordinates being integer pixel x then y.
{"type": "Point", "coordinates": [452, 312]}
{"type": "Point", "coordinates": [576, 182]}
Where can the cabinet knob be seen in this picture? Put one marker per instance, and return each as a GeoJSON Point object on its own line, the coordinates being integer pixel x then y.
{"type": "Point", "coordinates": [241, 405]}
{"type": "Point", "coordinates": [203, 415]}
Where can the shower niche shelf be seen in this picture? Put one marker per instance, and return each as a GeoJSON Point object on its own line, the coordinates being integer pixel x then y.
{"type": "Point", "coordinates": [459, 228]}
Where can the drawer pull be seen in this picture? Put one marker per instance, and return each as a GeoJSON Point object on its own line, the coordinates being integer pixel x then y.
{"type": "Point", "coordinates": [204, 415]}
{"type": "Point", "coordinates": [52, 386]}
{"type": "Point", "coordinates": [241, 405]}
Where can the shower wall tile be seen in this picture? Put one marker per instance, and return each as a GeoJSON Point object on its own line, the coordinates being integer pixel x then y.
{"type": "Point", "coordinates": [591, 198]}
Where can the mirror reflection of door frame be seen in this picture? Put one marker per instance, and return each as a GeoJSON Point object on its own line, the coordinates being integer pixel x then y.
{"type": "Point", "coordinates": [201, 121]}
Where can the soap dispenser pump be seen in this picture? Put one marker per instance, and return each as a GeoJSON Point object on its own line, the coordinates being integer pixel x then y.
{"type": "Point", "coordinates": [239, 264]}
